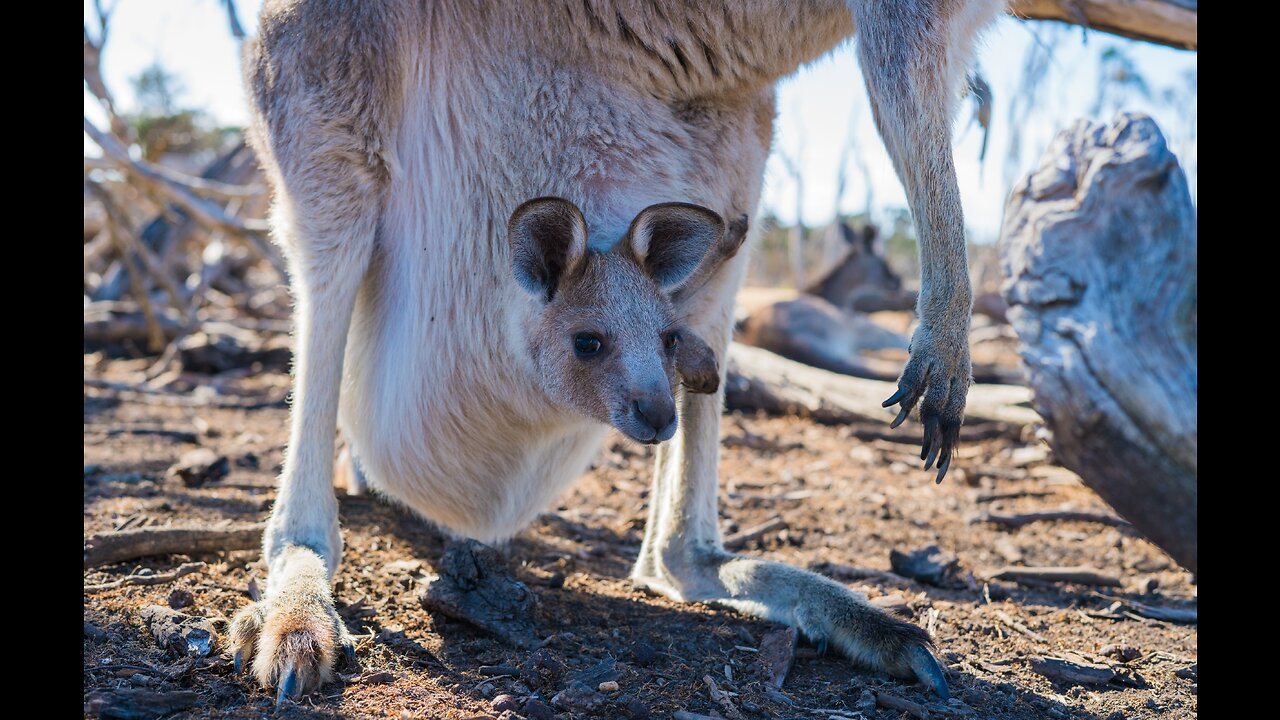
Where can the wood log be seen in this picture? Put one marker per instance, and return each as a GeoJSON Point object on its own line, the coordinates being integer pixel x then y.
{"type": "Point", "coordinates": [1099, 255]}
{"type": "Point", "coordinates": [131, 544]}
{"type": "Point", "coordinates": [1165, 22]}
{"type": "Point", "coordinates": [760, 380]}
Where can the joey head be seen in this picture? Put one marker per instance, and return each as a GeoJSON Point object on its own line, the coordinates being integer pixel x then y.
{"type": "Point", "coordinates": [606, 342]}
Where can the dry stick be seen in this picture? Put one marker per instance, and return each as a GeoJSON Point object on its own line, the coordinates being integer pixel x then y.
{"type": "Point", "coordinates": [739, 540]}
{"type": "Point", "coordinates": [1081, 575]}
{"type": "Point", "coordinates": [149, 261]}
{"type": "Point", "coordinates": [156, 579]}
{"type": "Point", "coordinates": [1014, 624]}
{"type": "Point", "coordinates": [156, 396]}
{"type": "Point", "coordinates": [993, 497]}
{"type": "Point", "coordinates": [131, 544]}
{"type": "Point", "coordinates": [155, 335]}
{"type": "Point", "coordinates": [893, 702]}
{"type": "Point", "coordinates": [202, 211]}
{"type": "Point", "coordinates": [1155, 612]}
{"type": "Point", "coordinates": [212, 189]}
{"type": "Point", "coordinates": [1017, 521]}
{"type": "Point", "coordinates": [722, 697]}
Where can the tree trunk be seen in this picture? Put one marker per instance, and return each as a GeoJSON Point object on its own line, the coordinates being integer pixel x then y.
{"type": "Point", "coordinates": [1099, 257]}
{"type": "Point", "coordinates": [1166, 22]}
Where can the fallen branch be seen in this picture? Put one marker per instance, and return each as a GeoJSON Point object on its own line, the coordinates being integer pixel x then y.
{"type": "Point", "coordinates": [760, 380]}
{"type": "Point", "coordinates": [155, 579]}
{"type": "Point", "coordinates": [1080, 575]}
{"type": "Point", "coordinates": [137, 703]}
{"type": "Point", "coordinates": [739, 540]}
{"type": "Point", "coordinates": [1165, 22]}
{"type": "Point", "coordinates": [148, 178]}
{"type": "Point", "coordinates": [1155, 612]}
{"type": "Point", "coordinates": [131, 544]}
{"type": "Point", "coordinates": [1077, 673]}
{"type": "Point", "coordinates": [1017, 521]}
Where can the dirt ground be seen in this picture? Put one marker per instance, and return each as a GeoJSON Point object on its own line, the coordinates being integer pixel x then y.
{"type": "Point", "coordinates": [846, 503]}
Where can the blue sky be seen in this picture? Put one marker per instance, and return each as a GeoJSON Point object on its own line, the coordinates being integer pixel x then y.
{"type": "Point", "coordinates": [818, 107]}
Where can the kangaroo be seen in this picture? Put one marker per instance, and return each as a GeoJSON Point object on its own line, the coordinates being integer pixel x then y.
{"type": "Point", "coordinates": [398, 136]}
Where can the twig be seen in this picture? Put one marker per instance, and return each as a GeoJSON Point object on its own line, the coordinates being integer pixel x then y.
{"type": "Point", "coordinates": [1081, 575]}
{"type": "Point", "coordinates": [893, 702]}
{"type": "Point", "coordinates": [994, 497]}
{"type": "Point", "coordinates": [1014, 624]}
{"type": "Point", "coordinates": [737, 541]}
{"type": "Point", "coordinates": [1156, 612]}
{"type": "Point", "coordinates": [156, 579]}
{"type": "Point", "coordinates": [722, 697]}
{"type": "Point", "coordinates": [1017, 521]}
{"type": "Point", "coordinates": [130, 544]}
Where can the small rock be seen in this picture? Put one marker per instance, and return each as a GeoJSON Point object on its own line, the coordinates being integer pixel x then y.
{"type": "Point", "coordinates": [1123, 653]}
{"type": "Point", "coordinates": [535, 709]}
{"type": "Point", "coordinates": [603, 671]}
{"type": "Point", "coordinates": [578, 698]}
{"type": "Point", "coordinates": [486, 689]}
{"type": "Point", "coordinates": [200, 467]}
{"type": "Point", "coordinates": [542, 668]}
{"type": "Point", "coordinates": [608, 686]}
{"type": "Point", "coordinates": [867, 704]}
{"type": "Point", "coordinates": [642, 653]}
{"type": "Point", "coordinates": [1191, 672]}
{"type": "Point", "coordinates": [140, 679]}
{"type": "Point", "coordinates": [930, 565]}
{"type": "Point", "coordinates": [504, 702]}
{"type": "Point", "coordinates": [94, 633]}
{"type": "Point", "coordinates": [180, 598]}
{"type": "Point", "coordinates": [556, 581]}
{"type": "Point", "coordinates": [633, 709]}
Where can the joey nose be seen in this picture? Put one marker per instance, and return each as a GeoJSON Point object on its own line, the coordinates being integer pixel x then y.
{"type": "Point", "coordinates": [658, 412]}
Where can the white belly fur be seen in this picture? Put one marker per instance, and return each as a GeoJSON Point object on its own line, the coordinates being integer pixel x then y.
{"type": "Point", "coordinates": [439, 397]}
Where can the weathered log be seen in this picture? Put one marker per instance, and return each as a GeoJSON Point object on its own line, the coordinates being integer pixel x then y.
{"type": "Point", "coordinates": [1099, 258]}
{"type": "Point", "coordinates": [760, 380]}
{"type": "Point", "coordinates": [1166, 22]}
{"type": "Point", "coordinates": [131, 544]}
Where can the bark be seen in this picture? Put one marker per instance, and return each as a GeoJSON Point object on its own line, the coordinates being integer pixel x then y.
{"type": "Point", "coordinates": [1165, 22]}
{"type": "Point", "coordinates": [1099, 257]}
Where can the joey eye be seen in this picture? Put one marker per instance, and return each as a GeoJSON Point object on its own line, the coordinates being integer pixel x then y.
{"type": "Point", "coordinates": [673, 339]}
{"type": "Point", "coordinates": [586, 344]}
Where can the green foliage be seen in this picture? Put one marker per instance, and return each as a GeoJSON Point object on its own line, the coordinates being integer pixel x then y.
{"type": "Point", "coordinates": [162, 125]}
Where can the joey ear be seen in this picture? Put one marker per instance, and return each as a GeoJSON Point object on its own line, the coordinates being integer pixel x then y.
{"type": "Point", "coordinates": [670, 239]}
{"type": "Point", "coordinates": [548, 237]}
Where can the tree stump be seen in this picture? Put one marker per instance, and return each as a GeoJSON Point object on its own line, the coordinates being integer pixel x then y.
{"type": "Point", "coordinates": [1098, 251]}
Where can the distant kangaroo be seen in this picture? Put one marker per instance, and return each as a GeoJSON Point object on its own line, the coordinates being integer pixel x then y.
{"type": "Point", "coordinates": [399, 136]}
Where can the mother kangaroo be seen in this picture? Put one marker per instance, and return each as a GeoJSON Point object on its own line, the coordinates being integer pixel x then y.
{"type": "Point", "coordinates": [399, 136]}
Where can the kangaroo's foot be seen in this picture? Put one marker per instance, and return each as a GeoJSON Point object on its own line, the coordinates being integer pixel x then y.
{"type": "Point", "coordinates": [938, 376]}
{"type": "Point", "coordinates": [292, 639]}
{"type": "Point", "coordinates": [476, 587]}
{"type": "Point", "coordinates": [826, 612]}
